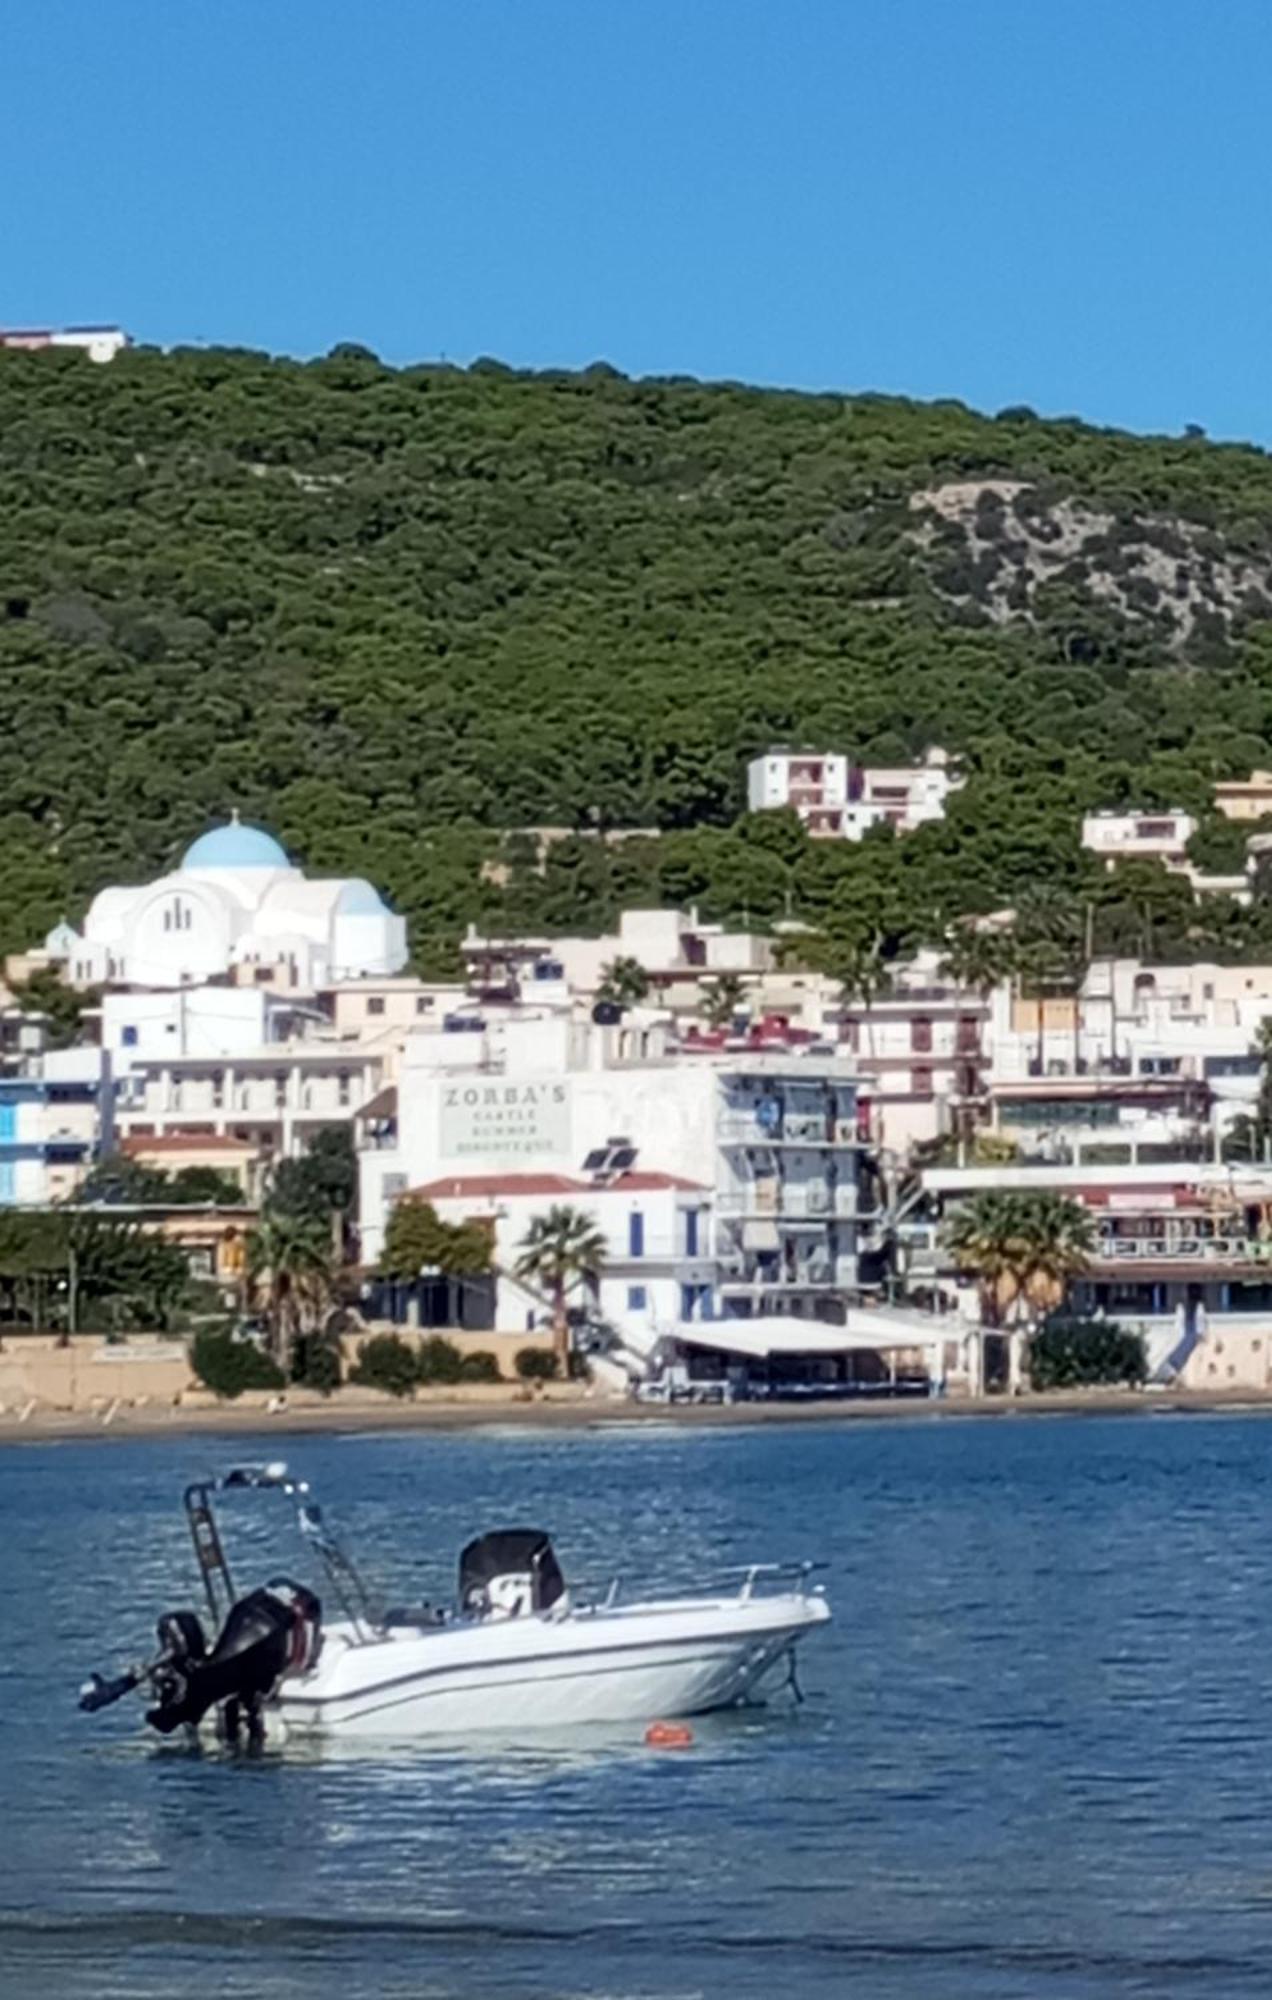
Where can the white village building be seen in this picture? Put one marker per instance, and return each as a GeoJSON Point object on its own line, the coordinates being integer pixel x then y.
{"type": "Point", "coordinates": [839, 800]}
{"type": "Point", "coordinates": [727, 1182]}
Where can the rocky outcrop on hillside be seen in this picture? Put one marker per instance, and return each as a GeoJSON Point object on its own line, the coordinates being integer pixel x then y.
{"type": "Point", "coordinates": [1011, 550]}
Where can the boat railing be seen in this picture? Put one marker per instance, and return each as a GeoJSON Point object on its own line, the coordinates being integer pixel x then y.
{"type": "Point", "coordinates": [741, 1582]}
{"type": "Point", "coordinates": [754, 1574]}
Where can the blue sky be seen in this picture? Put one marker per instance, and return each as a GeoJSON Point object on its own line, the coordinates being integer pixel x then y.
{"type": "Point", "coordinates": [1007, 201]}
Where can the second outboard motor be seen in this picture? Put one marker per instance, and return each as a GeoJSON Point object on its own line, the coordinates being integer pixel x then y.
{"type": "Point", "coordinates": [266, 1634]}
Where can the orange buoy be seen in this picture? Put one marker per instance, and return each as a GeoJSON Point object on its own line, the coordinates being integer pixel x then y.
{"type": "Point", "coordinates": [669, 1736]}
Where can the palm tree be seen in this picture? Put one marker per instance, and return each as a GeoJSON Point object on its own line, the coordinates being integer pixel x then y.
{"type": "Point", "coordinates": [1051, 928]}
{"type": "Point", "coordinates": [1023, 1249]}
{"type": "Point", "coordinates": [289, 1263]}
{"type": "Point", "coordinates": [856, 963]}
{"type": "Point", "coordinates": [1260, 1126]}
{"type": "Point", "coordinates": [624, 981]}
{"type": "Point", "coordinates": [559, 1250]}
{"type": "Point", "coordinates": [1061, 1237]}
{"type": "Point", "coordinates": [976, 961]}
{"type": "Point", "coordinates": [720, 998]}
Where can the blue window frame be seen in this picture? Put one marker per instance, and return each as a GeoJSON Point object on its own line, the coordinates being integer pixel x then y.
{"type": "Point", "coordinates": [637, 1298]}
{"type": "Point", "coordinates": [691, 1232]}
{"type": "Point", "coordinates": [636, 1234]}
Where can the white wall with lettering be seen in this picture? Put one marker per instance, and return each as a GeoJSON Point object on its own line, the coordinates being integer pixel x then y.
{"type": "Point", "coordinates": [485, 1124]}
{"type": "Point", "coordinates": [468, 1123]}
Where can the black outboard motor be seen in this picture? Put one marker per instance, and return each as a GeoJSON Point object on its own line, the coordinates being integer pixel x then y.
{"type": "Point", "coordinates": [268, 1633]}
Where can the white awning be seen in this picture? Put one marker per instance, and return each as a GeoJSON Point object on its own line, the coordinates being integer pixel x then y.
{"type": "Point", "coordinates": [776, 1333]}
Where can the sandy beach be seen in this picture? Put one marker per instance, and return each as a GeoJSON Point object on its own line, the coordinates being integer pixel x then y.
{"type": "Point", "coordinates": [344, 1414]}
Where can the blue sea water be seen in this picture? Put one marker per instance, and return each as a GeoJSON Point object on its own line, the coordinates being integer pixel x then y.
{"type": "Point", "coordinates": [1035, 1757]}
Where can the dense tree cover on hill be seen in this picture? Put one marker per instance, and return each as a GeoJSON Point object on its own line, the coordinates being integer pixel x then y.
{"type": "Point", "coordinates": [395, 614]}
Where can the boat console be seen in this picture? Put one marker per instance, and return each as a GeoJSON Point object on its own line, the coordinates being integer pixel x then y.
{"type": "Point", "coordinates": [511, 1573]}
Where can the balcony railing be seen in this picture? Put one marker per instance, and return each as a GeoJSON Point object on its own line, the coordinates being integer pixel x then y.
{"type": "Point", "coordinates": [378, 1139]}
{"type": "Point", "coordinates": [819, 1204]}
{"type": "Point", "coordinates": [1113, 1153]}
{"type": "Point", "coordinates": [738, 1128]}
{"type": "Point", "coordinates": [816, 1278]}
{"type": "Point", "coordinates": [815, 1281]}
{"type": "Point", "coordinates": [1184, 1250]}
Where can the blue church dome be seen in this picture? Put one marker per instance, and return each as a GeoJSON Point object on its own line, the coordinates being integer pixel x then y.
{"type": "Point", "coordinates": [359, 899]}
{"type": "Point", "coordinates": [235, 846]}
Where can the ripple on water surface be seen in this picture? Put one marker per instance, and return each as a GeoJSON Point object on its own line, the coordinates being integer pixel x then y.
{"type": "Point", "coordinates": [1032, 1761]}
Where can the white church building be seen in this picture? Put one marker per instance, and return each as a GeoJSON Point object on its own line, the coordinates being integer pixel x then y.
{"type": "Point", "coordinates": [237, 908]}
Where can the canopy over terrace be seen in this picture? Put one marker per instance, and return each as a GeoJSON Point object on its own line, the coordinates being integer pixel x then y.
{"type": "Point", "coordinates": [782, 1339]}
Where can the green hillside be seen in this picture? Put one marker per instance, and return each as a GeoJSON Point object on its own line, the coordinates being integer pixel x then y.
{"type": "Point", "coordinates": [396, 613]}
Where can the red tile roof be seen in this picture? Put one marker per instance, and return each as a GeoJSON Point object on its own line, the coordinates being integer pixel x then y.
{"type": "Point", "coordinates": [461, 1187]}
{"type": "Point", "coordinates": [638, 1182]}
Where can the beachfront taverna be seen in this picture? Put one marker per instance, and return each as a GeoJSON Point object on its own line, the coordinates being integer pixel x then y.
{"type": "Point", "coordinates": [234, 906]}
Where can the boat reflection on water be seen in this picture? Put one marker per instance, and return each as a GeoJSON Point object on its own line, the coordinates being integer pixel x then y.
{"type": "Point", "coordinates": [510, 1759]}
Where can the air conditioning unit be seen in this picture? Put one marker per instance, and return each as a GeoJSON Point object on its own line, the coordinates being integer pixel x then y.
{"type": "Point", "coordinates": [845, 1131]}
{"type": "Point", "coordinates": [818, 1201]}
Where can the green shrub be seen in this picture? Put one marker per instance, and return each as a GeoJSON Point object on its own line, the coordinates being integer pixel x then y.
{"type": "Point", "coordinates": [315, 1363]}
{"type": "Point", "coordinates": [388, 1362]}
{"type": "Point", "coordinates": [480, 1367]}
{"type": "Point", "coordinates": [536, 1364]}
{"type": "Point", "coordinates": [228, 1366]}
{"type": "Point", "coordinates": [438, 1360]}
{"type": "Point", "coordinates": [1079, 1353]}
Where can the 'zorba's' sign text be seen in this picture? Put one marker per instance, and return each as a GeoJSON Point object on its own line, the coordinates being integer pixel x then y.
{"type": "Point", "coordinates": [514, 1120]}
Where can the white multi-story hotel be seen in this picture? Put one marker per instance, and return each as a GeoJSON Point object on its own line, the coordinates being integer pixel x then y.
{"type": "Point", "coordinates": [220, 1062]}
{"type": "Point", "coordinates": [1138, 836]}
{"type": "Point", "coordinates": [50, 1121]}
{"type": "Point", "coordinates": [730, 1181]}
{"type": "Point", "coordinates": [1183, 1256]}
{"type": "Point", "coordinates": [274, 1097]}
{"type": "Point", "coordinates": [1162, 1052]}
{"type": "Point", "coordinates": [674, 948]}
{"type": "Point", "coordinates": [837, 799]}
{"type": "Point", "coordinates": [921, 1050]}
{"type": "Point", "coordinates": [657, 1231]}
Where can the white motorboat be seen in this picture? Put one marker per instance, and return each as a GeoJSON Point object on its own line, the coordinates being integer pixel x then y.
{"type": "Point", "coordinates": [513, 1652]}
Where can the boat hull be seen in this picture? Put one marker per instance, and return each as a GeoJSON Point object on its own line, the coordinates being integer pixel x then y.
{"type": "Point", "coordinates": [635, 1665]}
